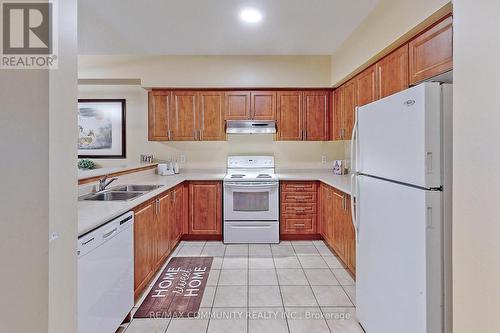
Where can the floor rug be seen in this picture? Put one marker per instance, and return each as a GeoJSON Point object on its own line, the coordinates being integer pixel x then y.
{"type": "Point", "coordinates": [178, 290]}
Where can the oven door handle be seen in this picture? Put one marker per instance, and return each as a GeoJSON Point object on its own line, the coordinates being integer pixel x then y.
{"type": "Point", "coordinates": [252, 226]}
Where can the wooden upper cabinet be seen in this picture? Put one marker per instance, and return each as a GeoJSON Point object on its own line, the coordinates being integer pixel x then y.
{"type": "Point", "coordinates": [237, 105]}
{"type": "Point", "coordinates": [289, 117]}
{"type": "Point", "coordinates": [316, 115]}
{"type": "Point", "coordinates": [158, 113]}
{"type": "Point", "coordinates": [337, 114]}
{"type": "Point", "coordinates": [211, 116]}
{"type": "Point", "coordinates": [392, 72]}
{"type": "Point", "coordinates": [183, 116]}
{"type": "Point", "coordinates": [431, 53]}
{"type": "Point", "coordinates": [205, 207]}
{"type": "Point", "coordinates": [349, 103]}
{"type": "Point", "coordinates": [263, 105]}
{"type": "Point", "coordinates": [366, 84]}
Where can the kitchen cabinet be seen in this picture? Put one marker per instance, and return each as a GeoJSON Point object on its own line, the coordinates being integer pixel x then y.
{"type": "Point", "coordinates": [338, 119]}
{"type": "Point", "coordinates": [163, 222]}
{"type": "Point", "coordinates": [336, 223]}
{"type": "Point", "coordinates": [303, 115]}
{"type": "Point", "coordinates": [366, 86]}
{"type": "Point", "coordinates": [349, 94]}
{"type": "Point", "coordinates": [263, 105]}
{"type": "Point", "coordinates": [298, 208]}
{"type": "Point", "coordinates": [237, 105]}
{"type": "Point", "coordinates": [326, 212]}
{"type": "Point", "coordinates": [180, 115]}
{"type": "Point", "coordinates": [205, 208]}
{"type": "Point", "coordinates": [289, 119]}
{"type": "Point", "coordinates": [182, 120]}
{"type": "Point", "coordinates": [344, 110]}
{"type": "Point", "coordinates": [159, 104]}
{"type": "Point", "coordinates": [431, 53]}
{"type": "Point", "coordinates": [210, 118]}
{"type": "Point", "coordinates": [158, 227]}
{"type": "Point", "coordinates": [177, 214]}
{"type": "Point", "coordinates": [338, 244]}
{"type": "Point", "coordinates": [316, 116]}
{"type": "Point", "coordinates": [250, 105]}
{"type": "Point", "coordinates": [349, 236]}
{"type": "Point", "coordinates": [144, 245]}
{"type": "Point", "coordinates": [392, 72]}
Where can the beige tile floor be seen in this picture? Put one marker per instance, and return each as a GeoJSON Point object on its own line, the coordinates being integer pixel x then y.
{"type": "Point", "coordinates": [293, 287]}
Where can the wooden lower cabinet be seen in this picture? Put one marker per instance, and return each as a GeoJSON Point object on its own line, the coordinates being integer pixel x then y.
{"type": "Point", "coordinates": [158, 227]}
{"type": "Point", "coordinates": [163, 226]}
{"type": "Point", "coordinates": [205, 208]}
{"type": "Point", "coordinates": [336, 224]}
{"type": "Point", "coordinates": [350, 237]}
{"type": "Point", "coordinates": [144, 245]}
{"type": "Point", "coordinates": [177, 214]}
{"type": "Point", "coordinates": [298, 207]}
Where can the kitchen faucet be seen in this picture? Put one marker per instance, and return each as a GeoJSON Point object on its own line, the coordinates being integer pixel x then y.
{"type": "Point", "coordinates": [103, 183]}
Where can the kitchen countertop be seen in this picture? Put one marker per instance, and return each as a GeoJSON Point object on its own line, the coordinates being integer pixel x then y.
{"type": "Point", "coordinates": [92, 214]}
{"type": "Point", "coordinates": [342, 183]}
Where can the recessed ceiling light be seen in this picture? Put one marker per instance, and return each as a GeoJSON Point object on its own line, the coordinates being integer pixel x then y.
{"type": "Point", "coordinates": [250, 15]}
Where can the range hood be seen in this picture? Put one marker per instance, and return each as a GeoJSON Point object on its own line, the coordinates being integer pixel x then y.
{"type": "Point", "coordinates": [250, 127]}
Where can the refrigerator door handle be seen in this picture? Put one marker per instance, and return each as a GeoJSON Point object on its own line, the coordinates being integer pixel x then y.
{"type": "Point", "coordinates": [354, 148]}
{"type": "Point", "coordinates": [353, 208]}
{"type": "Point", "coordinates": [354, 170]}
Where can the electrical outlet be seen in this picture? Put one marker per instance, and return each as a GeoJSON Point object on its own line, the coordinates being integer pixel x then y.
{"type": "Point", "coordinates": [182, 158]}
{"type": "Point", "coordinates": [323, 159]}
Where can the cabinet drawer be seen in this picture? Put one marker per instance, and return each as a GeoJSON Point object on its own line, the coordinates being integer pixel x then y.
{"type": "Point", "coordinates": [296, 208]}
{"type": "Point", "coordinates": [299, 197]}
{"type": "Point", "coordinates": [298, 224]}
{"type": "Point", "coordinates": [298, 187]}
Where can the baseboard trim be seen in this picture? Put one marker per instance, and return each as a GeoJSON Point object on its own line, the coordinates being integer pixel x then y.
{"type": "Point", "coordinates": [189, 237]}
{"type": "Point", "coordinates": [295, 237]}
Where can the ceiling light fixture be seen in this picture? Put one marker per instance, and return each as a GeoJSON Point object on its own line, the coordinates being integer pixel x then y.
{"type": "Point", "coordinates": [250, 15]}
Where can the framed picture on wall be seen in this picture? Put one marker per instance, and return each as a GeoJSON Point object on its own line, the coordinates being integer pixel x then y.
{"type": "Point", "coordinates": [101, 128]}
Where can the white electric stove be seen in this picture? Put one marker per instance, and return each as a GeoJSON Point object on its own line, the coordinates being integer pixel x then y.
{"type": "Point", "coordinates": [251, 200]}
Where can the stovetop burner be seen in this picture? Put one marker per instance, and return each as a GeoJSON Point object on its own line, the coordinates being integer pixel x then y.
{"type": "Point", "coordinates": [250, 169]}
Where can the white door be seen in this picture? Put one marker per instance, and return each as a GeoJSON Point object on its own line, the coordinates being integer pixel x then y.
{"type": "Point", "coordinates": [399, 258]}
{"type": "Point", "coordinates": [399, 137]}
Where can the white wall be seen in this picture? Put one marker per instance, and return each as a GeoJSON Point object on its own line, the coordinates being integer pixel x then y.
{"type": "Point", "coordinates": [36, 143]}
{"type": "Point", "coordinates": [476, 179]}
{"type": "Point", "coordinates": [205, 154]}
{"type": "Point", "coordinates": [211, 71]}
{"type": "Point", "coordinates": [390, 20]}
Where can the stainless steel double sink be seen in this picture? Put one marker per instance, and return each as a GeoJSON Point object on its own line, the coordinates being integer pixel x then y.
{"type": "Point", "coordinates": [120, 193]}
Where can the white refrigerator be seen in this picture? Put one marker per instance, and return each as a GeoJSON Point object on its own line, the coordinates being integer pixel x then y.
{"type": "Point", "coordinates": [401, 162]}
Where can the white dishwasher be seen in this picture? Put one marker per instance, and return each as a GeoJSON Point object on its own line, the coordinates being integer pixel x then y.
{"type": "Point", "coordinates": [106, 276]}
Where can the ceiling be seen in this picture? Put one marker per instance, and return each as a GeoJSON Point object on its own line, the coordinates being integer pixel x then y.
{"type": "Point", "coordinates": [212, 27]}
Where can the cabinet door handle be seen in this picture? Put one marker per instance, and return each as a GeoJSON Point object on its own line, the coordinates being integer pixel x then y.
{"type": "Point", "coordinates": [300, 225]}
